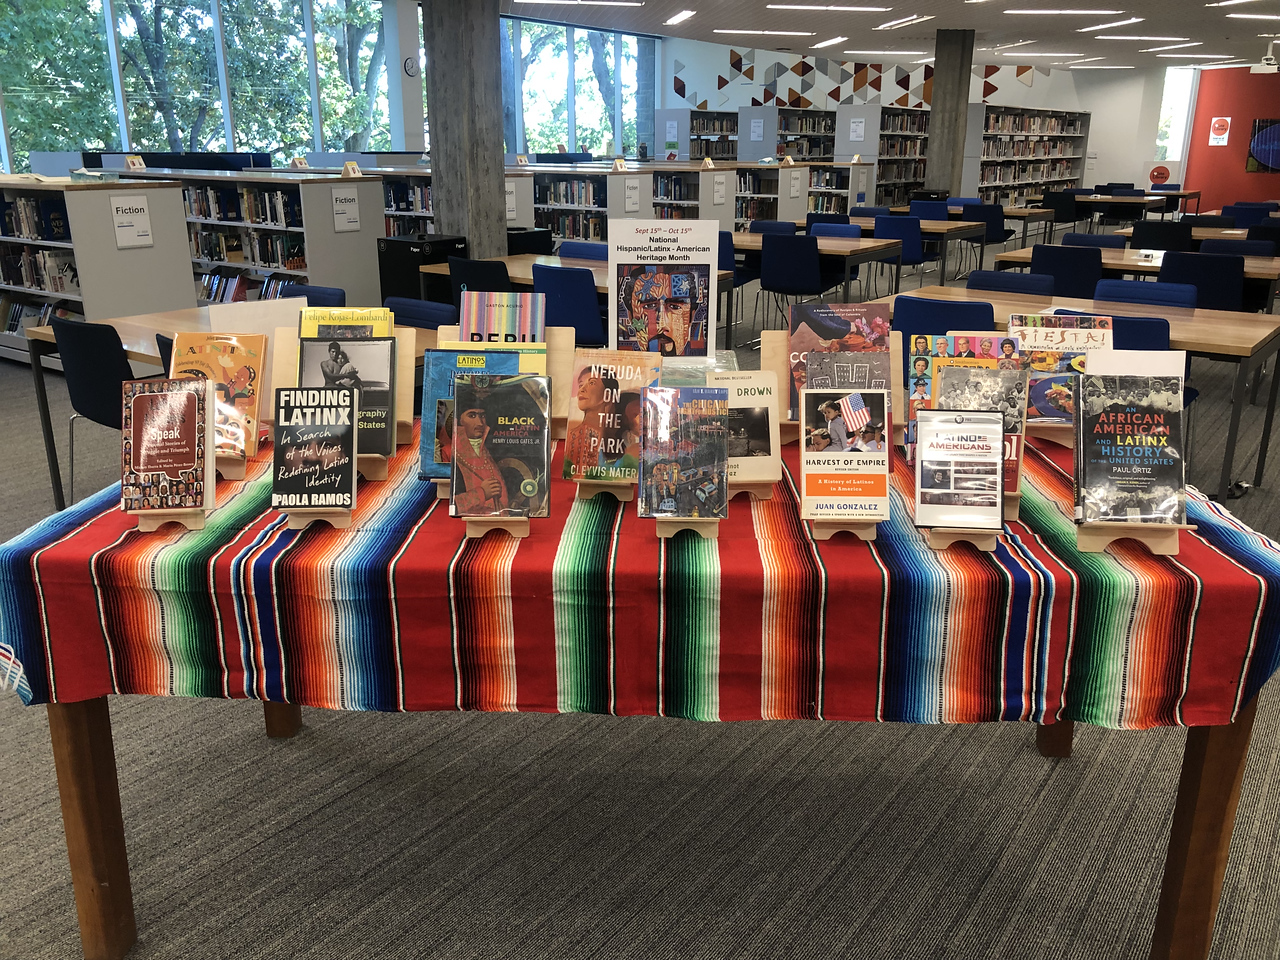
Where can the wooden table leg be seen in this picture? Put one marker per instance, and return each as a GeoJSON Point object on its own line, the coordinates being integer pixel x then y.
{"type": "Point", "coordinates": [1200, 839]}
{"type": "Point", "coordinates": [85, 759]}
{"type": "Point", "coordinates": [1055, 739]}
{"type": "Point", "coordinates": [284, 720]}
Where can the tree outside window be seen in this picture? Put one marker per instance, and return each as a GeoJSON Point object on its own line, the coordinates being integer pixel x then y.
{"type": "Point", "coordinates": [351, 62]}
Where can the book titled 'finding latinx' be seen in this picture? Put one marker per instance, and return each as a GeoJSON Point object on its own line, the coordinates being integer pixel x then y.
{"type": "Point", "coordinates": [315, 449]}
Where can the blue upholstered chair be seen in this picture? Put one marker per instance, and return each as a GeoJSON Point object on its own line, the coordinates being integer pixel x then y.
{"type": "Point", "coordinates": [1104, 240]}
{"type": "Point", "coordinates": [316, 296]}
{"type": "Point", "coordinates": [1245, 215]}
{"type": "Point", "coordinates": [1143, 291]}
{"type": "Point", "coordinates": [789, 267]}
{"type": "Point", "coordinates": [1162, 235]}
{"type": "Point", "coordinates": [1245, 248]}
{"type": "Point", "coordinates": [1009, 281]}
{"type": "Point", "coordinates": [1218, 278]}
{"type": "Point", "coordinates": [1075, 270]}
{"type": "Point", "coordinates": [426, 314]}
{"type": "Point", "coordinates": [906, 229]}
{"type": "Point", "coordinates": [487, 276]}
{"type": "Point", "coordinates": [814, 218]}
{"type": "Point", "coordinates": [833, 269]}
{"type": "Point", "coordinates": [922, 317]}
{"type": "Point", "coordinates": [571, 302]}
{"type": "Point", "coordinates": [584, 250]}
{"type": "Point", "coordinates": [931, 209]}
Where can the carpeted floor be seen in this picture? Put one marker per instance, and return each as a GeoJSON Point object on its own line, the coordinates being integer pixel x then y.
{"type": "Point", "coordinates": [533, 836]}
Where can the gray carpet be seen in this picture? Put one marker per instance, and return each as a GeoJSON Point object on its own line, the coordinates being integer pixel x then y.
{"type": "Point", "coordinates": [531, 836]}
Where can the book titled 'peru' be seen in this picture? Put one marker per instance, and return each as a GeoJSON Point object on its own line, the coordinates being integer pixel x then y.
{"type": "Point", "coordinates": [167, 458]}
{"type": "Point", "coordinates": [314, 449]}
{"type": "Point", "coordinates": [501, 446]}
{"type": "Point", "coordinates": [1130, 464]}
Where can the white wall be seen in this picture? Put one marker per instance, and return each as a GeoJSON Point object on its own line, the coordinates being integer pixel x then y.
{"type": "Point", "coordinates": [1125, 109]}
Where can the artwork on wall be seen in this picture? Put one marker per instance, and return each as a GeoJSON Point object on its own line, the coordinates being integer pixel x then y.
{"type": "Point", "coordinates": [1264, 147]}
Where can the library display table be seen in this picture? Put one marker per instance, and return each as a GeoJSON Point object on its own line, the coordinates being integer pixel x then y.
{"type": "Point", "coordinates": [594, 613]}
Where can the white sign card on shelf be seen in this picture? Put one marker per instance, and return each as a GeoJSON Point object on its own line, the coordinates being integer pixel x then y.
{"type": "Point", "coordinates": [662, 286]}
{"type": "Point", "coordinates": [132, 218]}
{"type": "Point", "coordinates": [857, 129]}
{"type": "Point", "coordinates": [511, 200]}
{"type": "Point", "coordinates": [757, 128]}
{"type": "Point", "coordinates": [797, 183]}
{"type": "Point", "coordinates": [631, 203]}
{"type": "Point", "coordinates": [672, 133]}
{"type": "Point", "coordinates": [346, 210]}
{"type": "Point", "coordinates": [718, 189]}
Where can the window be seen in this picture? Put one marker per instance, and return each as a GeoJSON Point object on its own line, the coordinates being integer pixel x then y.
{"type": "Point", "coordinates": [1175, 113]}
{"type": "Point", "coordinates": [267, 71]}
{"type": "Point", "coordinates": [170, 76]}
{"type": "Point", "coordinates": [351, 62]}
{"type": "Point", "coordinates": [593, 98]}
{"type": "Point", "coordinates": [542, 78]}
{"type": "Point", "coordinates": [55, 78]}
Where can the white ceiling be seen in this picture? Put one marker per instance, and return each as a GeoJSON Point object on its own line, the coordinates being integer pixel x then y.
{"type": "Point", "coordinates": [1209, 26]}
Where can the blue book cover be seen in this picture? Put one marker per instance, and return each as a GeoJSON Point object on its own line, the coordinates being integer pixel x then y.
{"type": "Point", "coordinates": [439, 368]}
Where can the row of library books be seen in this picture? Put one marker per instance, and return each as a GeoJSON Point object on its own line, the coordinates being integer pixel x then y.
{"type": "Point", "coordinates": [572, 226]}
{"type": "Point", "coordinates": [247, 204]}
{"type": "Point", "coordinates": [576, 193]}
{"type": "Point", "coordinates": [35, 218]}
{"type": "Point", "coordinates": [40, 269]}
{"type": "Point", "coordinates": [1031, 124]}
{"type": "Point", "coordinates": [16, 315]}
{"type": "Point", "coordinates": [407, 197]}
{"type": "Point", "coordinates": [224, 287]}
{"type": "Point", "coordinates": [285, 251]}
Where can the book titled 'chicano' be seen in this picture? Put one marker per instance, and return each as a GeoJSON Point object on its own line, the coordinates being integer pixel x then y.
{"type": "Point", "coordinates": [1129, 450]}
{"type": "Point", "coordinates": [314, 449]}
{"type": "Point", "coordinates": [501, 446]}
{"type": "Point", "coordinates": [167, 445]}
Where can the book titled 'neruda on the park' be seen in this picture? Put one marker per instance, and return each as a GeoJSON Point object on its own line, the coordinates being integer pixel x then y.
{"type": "Point", "coordinates": [315, 449]}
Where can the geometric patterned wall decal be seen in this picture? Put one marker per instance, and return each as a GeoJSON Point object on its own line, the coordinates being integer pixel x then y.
{"type": "Point", "coordinates": [1025, 74]}
{"type": "Point", "coordinates": [988, 88]}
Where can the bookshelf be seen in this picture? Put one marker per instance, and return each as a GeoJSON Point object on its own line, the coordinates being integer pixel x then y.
{"type": "Point", "coordinates": [1011, 152]}
{"type": "Point", "coordinates": [773, 192]}
{"type": "Point", "coordinates": [806, 134]}
{"type": "Point", "coordinates": [576, 201]}
{"type": "Point", "coordinates": [894, 140]}
{"type": "Point", "coordinates": [59, 252]}
{"type": "Point", "coordinates": [687, 192]}
{"type": "Point", "coordinates": [714, 134]}
{"type": "Point", "coordinates": [835, 187]}
{"type": "Point", "coordinates": [269, 228]}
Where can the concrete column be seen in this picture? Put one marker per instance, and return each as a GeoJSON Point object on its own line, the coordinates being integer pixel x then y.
{"type": "Point", "coordinates": [952, 67]}
{"type": "Point", "coordinates": [404, 83]}
{"type": "Point", "coordinates": [464, 75]}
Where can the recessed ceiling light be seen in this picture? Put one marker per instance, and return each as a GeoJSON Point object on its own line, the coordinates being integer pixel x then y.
{"type": "Point", "coordinates": [818, 6]}
{"type": "Point", "coordinates": [1108, 26]}
{"type": "Point", "coordinates": [885, 53]}
{"type": "Point", "coordinates": [827, 43]}
{"type": "Point", "coordinates": [1087, 60]}
{"type": "Point", "coordinates": [1020, 43]}
{"type": "Point", "coordinates": [1129, 36]}
{"type": "Point", "coordinates": [1195, 56]}
{"type": "Point", "coordinates": [1171, 46]}
{"type": "Point", "coordinates": [1221, 63]}
{"type": "Point", "coordinates": [1254, 16]}
{"type": "Point", "coordinates": [770, 33]}
{"type": "Point", "coordinates": [680, 17]}
{"type": "Point", "coordinates": [925, 60]}
{"type": "Point", "coordinates": [1229, 3]}
{"type": "Point", "coordinates": [1028, 53]}
{"type": "Point", "coordinates": [1099, 66]}
{"type": "Point", "coordinates": [905, 21]}
{"type": "Point", "coordinates": [1069, 13]}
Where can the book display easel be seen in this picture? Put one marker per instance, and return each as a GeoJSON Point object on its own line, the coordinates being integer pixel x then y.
{"type": "Point", "coordinates": [251, 232]}
{"type": "Point", "coordinates": [64, 251]}
{"type": "Point", "coordinates": [1012, 153]}
{"type": "Point", "coordinates": [1160, 539]}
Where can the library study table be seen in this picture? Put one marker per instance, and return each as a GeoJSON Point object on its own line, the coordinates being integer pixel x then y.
{"type": "Point", "coordinates": [592, 613]}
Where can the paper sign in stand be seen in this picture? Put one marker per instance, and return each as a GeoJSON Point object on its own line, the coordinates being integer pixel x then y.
{"type": "Point", "coordinates": [152, 520]}
{"type": "Point", "coordinates": [477, 527]}
{"type": "Point", "coordinates": [760, 490]}
{"type": "Point", "coordinates": [1160, 538]}
{"type": "Point", "coordinates": [301, 519]}
{"type": "Point", "coordinates": [623, 492]}
{"type": "Point", "coordinates": [231, 468]}
{"type": "Point", "coordinates": [670, 526]}
{"type": "Point", "coordinates": [826, 529]}
{"type": "Point", "coordinates": [940, 538]}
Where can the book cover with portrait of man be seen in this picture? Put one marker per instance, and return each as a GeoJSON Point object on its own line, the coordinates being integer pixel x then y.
{"type": "Point", "coordinates": [367, 366]}
{"type": "Point", "coordinates": [602, 443]}
{"type": "Point", "coordinates": [501, 446]}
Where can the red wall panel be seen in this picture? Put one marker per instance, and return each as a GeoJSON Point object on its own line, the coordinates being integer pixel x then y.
{"type": "Point", "coordinates": [1219, 171]}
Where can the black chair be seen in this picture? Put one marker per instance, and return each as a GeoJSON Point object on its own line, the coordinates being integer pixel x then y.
{"type": "Point", "coordinates": [165, 346]}
{"type": "Point", "coordinates": [1208, 220]}
{"type": "Point", "coordinates": [1123, 212]}
{"type": "Point", "coordinates": [773, 226]}
{"type": "Point", "coordinates": [1218, 279]}
{"type": "Point", "coordinates": [1063, 205]}
{"type": "Point", "coordinates": [869, 211]}
{"type": "Point", "coordinates": [1113, 186]}
{"type": "Point", "coordinates": [1075, 270]}
{"type": "Point", "coordinates": [316, 296]}
{"type": "Point", "coordinates": [992, 214]}
{"type": "Point", "coordinates": [1265, 231]}
{"type": "Point", "coordinates": [488, 276]}
{"type": "Point", "coordinates": [95, 365]}
{"type": "Point", "coordinates": [812, 218]}
{"type": "Point", "coordinates": [1162, 235]}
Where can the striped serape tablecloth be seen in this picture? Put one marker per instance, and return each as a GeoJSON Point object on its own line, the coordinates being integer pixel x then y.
{"type": "Point", "coordinates": [594, 613]}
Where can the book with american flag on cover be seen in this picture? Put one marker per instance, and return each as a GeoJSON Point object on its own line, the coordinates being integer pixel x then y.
{"type": "Point", "coordinates": [844, 463]}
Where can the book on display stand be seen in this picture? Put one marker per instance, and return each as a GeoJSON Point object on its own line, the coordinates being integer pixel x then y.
{"type": "Point", "coordinates": [959, 468]}
{"type": "Point", "coordinates": [684, 458]}
{"type": "Point", "coordinates": [314, 455]}
{"type": "Point", "coordinates": [167, 461]}
{"type": "Point", "coordinates": [367, 365]}
{"type": "Point", "coordinates": [754, 440]}
{"type": "Point", "coordinates": [235, 363]}
{"type": "Point", "coordinates": [602, 446]}
{"type": "Point", "coordinates": [1130, 457]}
{"type": "Point", "coordinates": [845, 458]}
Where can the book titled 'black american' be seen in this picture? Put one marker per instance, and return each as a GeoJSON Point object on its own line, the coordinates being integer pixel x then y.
{"type": "Point", "coordinates": [314, 448]}
{"type": "Point", "coordinates": [501, 446]}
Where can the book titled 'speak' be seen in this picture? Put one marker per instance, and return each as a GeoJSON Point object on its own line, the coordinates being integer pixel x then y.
{"type": "Point", "coordinates": [502, 317]}
{"type": "Point", "coordinates": [314, 449]}
{"type": "Point", "coordinates": [233, 362]}
{"type": "Point", "coordinates": [603, 440]}
{"type": "Point", "coordinates": [167, 441]}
